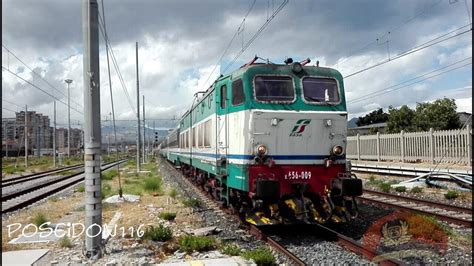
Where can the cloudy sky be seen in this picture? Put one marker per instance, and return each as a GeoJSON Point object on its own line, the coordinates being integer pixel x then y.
{"type": "Point", "coordinates": [181, 43]}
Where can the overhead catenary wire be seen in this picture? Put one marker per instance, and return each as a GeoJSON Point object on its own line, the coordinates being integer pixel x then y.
{"type": "Point", "coordinates": [259, 31]}
{"type": "Point", "coordinates": [415, 81]}
{"type": "Point", "coordinates": [115, 64]}
{"type": "Point", "coordinates": [38, 75]}
{"type": "Point", "coordinates": [415, 49]}
{"type": "Point", "coordinates": [37, 87]}
{"type": "Point", "coordinates": [392, 30]}
{"type": "Point", "coordinates": [231, 41]}
{"type": "Point", "coordinates": [10, 102]}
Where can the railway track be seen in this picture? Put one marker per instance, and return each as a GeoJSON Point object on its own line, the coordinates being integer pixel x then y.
{"type": "Point", "coordinates": [404, 170]}
{"type": "Point", "coordinates": [29, 191]}
{"type": "Point", "coordinates": [449, 213]}
{"type": "Point", "coordinates": [19, 179]}
{"type": "Point", "coordinates": [344, 241]}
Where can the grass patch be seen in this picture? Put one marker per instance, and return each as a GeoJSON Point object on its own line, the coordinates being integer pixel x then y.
{"type": "Point", "coordinates": [68, 172]}
{"type": "Point", "coordinates": [231, 250]}
{"type": "Point", "coordinates": [173, 193]}
{"type": "Point", "coordinates": [11, 169]}
{"type": "Point", "coordinates": [108, 175]}
{"type": "Point", "coordinates": [193, 203]}
{"type": "Point", "coordinates": [168, 216]}
{"type": "Point", "coordinates": [158, 233]}
{"type": "Point", "coordinates": [451, 194]}
{"type": "Point", "coordinates": [261, 256]}
{"type": "Point", "coordinates": [385, 187]}
{"type": "Point", "coordinates": [152, 184]}
{"type": "Point", "coordinates": [134, 189]}
{"type": "Point", "coordinates": [416, 190]}
{"type": "Point", "coordinates": [39, 219]}
{"type": "Point", "coordinates": [196, 243]}
{"type": "Point", "coordinates": [400, 189]}
{"type": "Point", "coordinates": [106, 190]}
{"type": "Point", "coordinates": [65, 242]}
{"type": "Point", "coordinates": [81, 188]}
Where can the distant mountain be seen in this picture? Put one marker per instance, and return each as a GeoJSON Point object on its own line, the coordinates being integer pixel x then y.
{"type": "Point", "coordinates": [352, 123]}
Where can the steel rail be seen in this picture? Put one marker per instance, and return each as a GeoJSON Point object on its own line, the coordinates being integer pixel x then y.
{"type": "Point", "coordinates": [421, 201]}
{"type": "Point", "coordinates": [356, 247]}
{"type": "Point", "coordinates": [55, 190]}
{"type": "Point", "coordinates": [400, 206]}
{"type": "Point", "coordinates": [15, 180]}
{"type": "Point", "coordinates": [251, 228]}
{"type": "Point", "coordinates": [404, 170]}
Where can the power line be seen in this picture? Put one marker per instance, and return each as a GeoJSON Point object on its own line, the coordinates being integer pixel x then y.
{"type": "Point", "coordinates": [9, 110]}
{"type": "Point", "coordinates": [351, 54]}
{"type": "Point", "coordinates": [231, 41]}
{"type": "Point", "coordinates": [247, 45]}
{"type": "Point", "coordinates": [389, 89]}
{"type": "Point", "coordinates": [414, 49]}
{"type": "Point", "coordinates": [38, 75]}
{"type": "Point", "coordinates": [37, 87]}
{"type": "Point", "coordinates": [114, 62]}
{"type": "Point", "coordinates": [12, 103]}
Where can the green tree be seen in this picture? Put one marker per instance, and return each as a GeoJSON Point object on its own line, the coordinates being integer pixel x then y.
{"type": "Point", "coordinates": [376, 116]}
{"type": "Point", "coordinates": [400, 119]}
{"type": "Point", "coordinates": [439, 115]}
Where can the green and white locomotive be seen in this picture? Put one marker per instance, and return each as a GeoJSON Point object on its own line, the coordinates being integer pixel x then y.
{"type": "Point", "coordinates": [268, 140]}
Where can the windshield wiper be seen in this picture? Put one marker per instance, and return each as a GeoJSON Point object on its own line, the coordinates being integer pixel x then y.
{"type": "Point", "coordinates": [313, 99]}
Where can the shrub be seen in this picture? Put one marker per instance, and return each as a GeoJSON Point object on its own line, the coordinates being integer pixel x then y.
{"type": "Point", "coordinates": [231, 250]}
{"type": "Point", "coordinates": [39, 219]}
{"type": "Point", "coordinates": [169, 216]}
{"type": "Point", "coordinates": [421, 227]}
{"type": "Point", "coordinates": [451, 194]}
{"type": "Point", "coordinates": [400, 189]}
{"type": "Point", "coordinates": [416, 190]}
{"type": "Point", "coordinates": [152, 184]}
{"type": "Point", "coordinates": [158, 233]}
{"type": "Point", "coordinates": [82, 188]}
{"type": "Point", "coordinates": [109, 175]}
{"type": "Point", "coordinates": [192, 203]}
{"type": "Point", "coordinates": [173, 193]}
{"type": "Point", "coordinates": [385, 187]}
{"type": "Point", "coordinates": [261, 256]}
{"type": "Point", "coordinates": [65, 242]}
{"type": "Point", "coordinates": [196, 243]}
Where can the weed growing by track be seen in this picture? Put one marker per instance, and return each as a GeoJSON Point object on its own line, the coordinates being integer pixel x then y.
{"type": "Point", "coordinates": [451, 194]}
{"type": "Point", "coordinates": [39, 219]}
{"type": "Point", "coordinates": [261, 256]}
{"type": "Point", "coordinates": [197, 243]}
{"type": "Point", "coordinates": [169, 216]}
{"type": "Point", "coordinates": [158, 233]}
{"type": "Point", "coordinates": [231, 249]}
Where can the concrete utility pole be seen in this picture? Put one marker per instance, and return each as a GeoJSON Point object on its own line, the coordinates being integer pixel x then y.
{"type": "Point", "coordinates": [68, 81]}
{"type": "Point", "coordinates": [138, 114]}
{"type": "Point", "coordinates": [144, 130]}
{"type": "Point", "coordinates": [26, 136]}
{"type": "Point", "coordinates": [92, 130]}
{"type": "Point", "coordinates": [54, 135]}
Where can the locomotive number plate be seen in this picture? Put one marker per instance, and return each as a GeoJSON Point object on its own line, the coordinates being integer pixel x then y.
{"type": "Point", "coordinates": [294, 175]}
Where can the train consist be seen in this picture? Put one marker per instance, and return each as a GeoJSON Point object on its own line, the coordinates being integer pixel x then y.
{"type": "Point", "coordinates": [269, 141]}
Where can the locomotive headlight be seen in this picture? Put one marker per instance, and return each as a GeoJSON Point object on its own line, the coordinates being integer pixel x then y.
{"type": "Point", "coordinates": [261, 150]}
{"type": "Point", "coordinates": [337, 150]}
{"type": "Point", "coordinates": [296, 67]}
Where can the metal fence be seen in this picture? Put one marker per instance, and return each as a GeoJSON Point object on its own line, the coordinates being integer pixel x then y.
{"type": "Point", "coordinates": [446, 146]}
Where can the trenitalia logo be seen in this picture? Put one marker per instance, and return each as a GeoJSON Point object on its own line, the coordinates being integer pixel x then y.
{"type": "Point", "coordinates": [299, 128]}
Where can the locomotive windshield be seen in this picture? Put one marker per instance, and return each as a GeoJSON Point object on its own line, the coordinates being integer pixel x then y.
{"type": "Point", "coordinates": [320, 90]}
{"type": "Point", "coordinates": [274, 88]}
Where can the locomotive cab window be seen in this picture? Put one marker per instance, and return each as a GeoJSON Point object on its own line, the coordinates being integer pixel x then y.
{"type": "Point", "coordinates": [238, 96]}
{"type": "Point", "coordinates": [320, 90]}
{"type": "Point", "coordinates": [274, 88]}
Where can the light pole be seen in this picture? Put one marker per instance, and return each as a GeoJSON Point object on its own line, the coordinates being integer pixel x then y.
{"type": "Point", "coordinates": [68, 81]}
